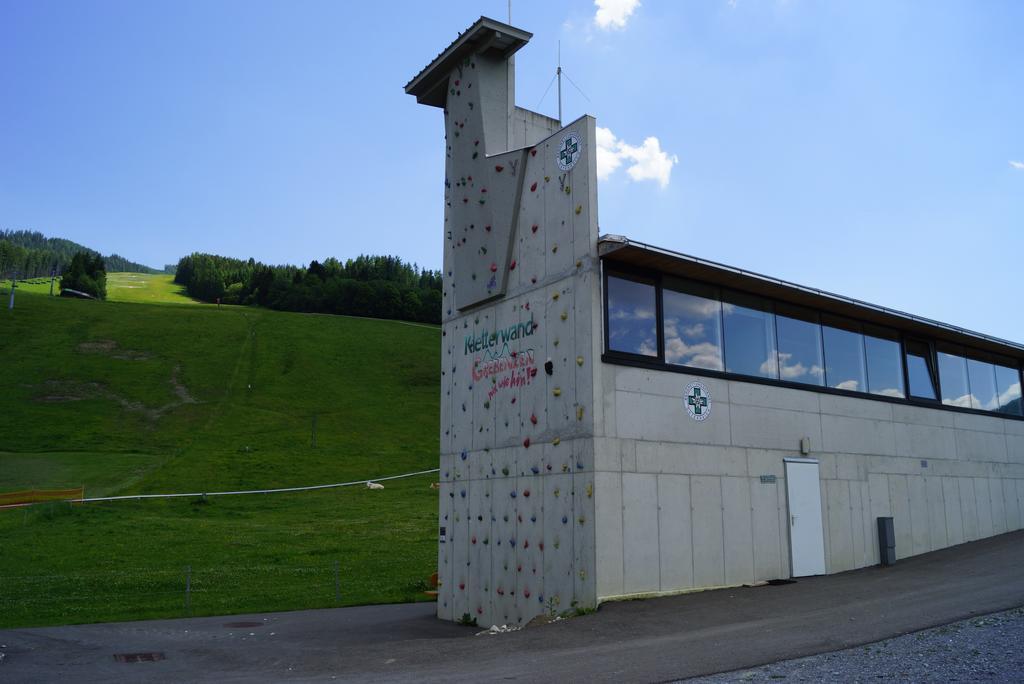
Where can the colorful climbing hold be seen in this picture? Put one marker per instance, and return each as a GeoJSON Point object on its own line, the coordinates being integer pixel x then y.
{"type": "Point", "coordinates": [556, 441]}
{"type": "Point", "coordinates": [557, 392]}
{"type": "Point", "coordinates": [499, 168]}
{"type": "Point", "coordinates": [579, 413]}
{"type": "Point", "coordinates": [533, 418]}
{"type": "Point", "coordinates": [526, 442]}
{"type": "Point", "coordinates": [579, 208]}
{"type": "Point", "coordinates": [533, 187]}
{"type": "Point", "coordinates": [534, 227]}
{"type": "Point", "coordinates": [512, 266]}
{"type": "Point", "coordinates": [565, 315]}
{"type": "Point", "coordinates": [579, 361]}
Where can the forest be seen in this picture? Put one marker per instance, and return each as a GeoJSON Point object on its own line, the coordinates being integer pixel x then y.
{"type": "Point", "coordinates": [372, 286]}
{"type": "Point", "coordinates": [30, 254]}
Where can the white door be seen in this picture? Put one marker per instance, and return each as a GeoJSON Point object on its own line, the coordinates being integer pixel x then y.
{"type": "Point", "coordinates": [806, 536]}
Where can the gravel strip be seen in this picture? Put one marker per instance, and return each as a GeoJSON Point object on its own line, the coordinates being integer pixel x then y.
{"type": "Point", "coordinates": [988, 648]}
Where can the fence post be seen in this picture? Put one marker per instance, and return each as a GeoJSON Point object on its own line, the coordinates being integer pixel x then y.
{"type": "Point", "coordinates": [337, 581]}
{"type": "Point", "coordinates": [188, 590]}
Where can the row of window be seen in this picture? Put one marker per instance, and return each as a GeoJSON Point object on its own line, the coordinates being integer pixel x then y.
{"type": "Point", "coordinates": [697, 325]}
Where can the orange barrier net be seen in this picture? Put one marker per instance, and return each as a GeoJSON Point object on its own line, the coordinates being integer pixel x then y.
{"type": "Point", "coordinates": [30, 496]}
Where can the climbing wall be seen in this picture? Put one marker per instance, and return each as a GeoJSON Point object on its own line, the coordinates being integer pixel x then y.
{"type": "Point", "coordinates": [520, 287]}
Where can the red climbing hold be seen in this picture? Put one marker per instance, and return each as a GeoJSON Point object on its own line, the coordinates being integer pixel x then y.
{"type": "Point", "coordinates": [494, 267]}
{"type": "Point", "coordinates": [526, 543]}
{"type": "Point", "coordinates": [472, 540]}
{"type": "Point", "coordinates": [499, 168]}
{"type": "Point", "coordinates": [533, 188]}
{"type": "Point", "coordinates": [533, 152]}
{"type": "Point", "coordinates": [462, 585]}
{"type": "Point", "coordinates": [526, 493]}
{"type": "Point", "coordinates": [512, 266]}
{"type": "Point", "coordinates": [456, 81]}
{"type": "Point", "coordinates": [533, 419]}
{"type": "Point", "coordinates": [534, 227]}
{"type": "Point", "coordinates": [541, 546]}
{"type": "Point", "coordinates": [487, 228]}
{"type": "Point", "coordinates": [533, 374]}
{"type": "Point", "coordinates": [526, 442]}
{"type": "Point", "coordinates": [526, 592]}
{"type": "Point", "coordinates": [483, 189]}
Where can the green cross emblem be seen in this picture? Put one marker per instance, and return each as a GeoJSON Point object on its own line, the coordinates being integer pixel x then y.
{"type": "Point", "coordinates": [569, 149]}
{"type": "Point", "coordinates": [697, 401]}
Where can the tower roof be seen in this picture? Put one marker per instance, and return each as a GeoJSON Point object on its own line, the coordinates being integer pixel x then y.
{"type": "Point", "coordinates": [485, 35]}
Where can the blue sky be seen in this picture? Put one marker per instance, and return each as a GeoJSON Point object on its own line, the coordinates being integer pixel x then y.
{"type": "Point", "coordinates": [864, 148]}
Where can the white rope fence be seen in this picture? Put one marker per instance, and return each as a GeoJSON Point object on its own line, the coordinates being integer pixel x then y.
{"type": "Point", "coordinates": [249, 491]}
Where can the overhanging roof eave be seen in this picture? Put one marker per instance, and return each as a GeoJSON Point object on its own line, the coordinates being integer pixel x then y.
{"type": "Point", "coordinates": [485, 34]}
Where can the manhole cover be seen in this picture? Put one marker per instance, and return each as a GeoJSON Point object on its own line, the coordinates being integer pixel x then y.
{"type": "Point", "coordinates": [138, 657]}
{"type": "Point", "coordinates": [242, 625]}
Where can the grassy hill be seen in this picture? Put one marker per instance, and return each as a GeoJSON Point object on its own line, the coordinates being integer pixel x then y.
{"type": "Point", "coordinates": [129, 398]}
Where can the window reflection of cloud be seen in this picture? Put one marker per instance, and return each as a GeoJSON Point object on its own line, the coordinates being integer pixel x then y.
{"type": "Point", "coordinates": [681, 350]}
{"type": "Point", "coordinates": [890, 392]}
{"type": "Point", "coordinates": [689, 306]}
{"type": "Point", "coordinates": [790, 371]}
{"type": "Point", "coordinates": [1011, 394]}
{"type": "Point", "coordinates": [849, 385]}
{"type": "Point", "coordinates": [632, 314]}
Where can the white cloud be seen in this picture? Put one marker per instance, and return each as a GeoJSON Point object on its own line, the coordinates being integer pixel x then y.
{"type": "Point", "coordinates": [849, 385]}
{"type": "Point", "coordinates": [613, 14]}
{"type": "Point", "coordinates": [645, 162]}
{"type": "Point", "coordinates": [1017, 165]}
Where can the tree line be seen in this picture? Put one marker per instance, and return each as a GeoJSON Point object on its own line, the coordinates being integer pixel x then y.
{"type": "Point", "coordinates": [31, 254]}
{"type": "Point", "coordinates": [373, 286]}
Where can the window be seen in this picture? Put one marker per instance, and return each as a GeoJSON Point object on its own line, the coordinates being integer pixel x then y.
{"type": "Point", "coordinates": [675, 322]}
{"type": "Point", "coordinates": [885, 370]}
{"type": "Point", "coordinates": [844, 357]}
{"type": "Point", "coordinates": [693, 325]}
{"type": "Point", "coordinates": [799, 335]}
{"type": "Point", "coordinates": [920, 376]}
{"type": "Point", "coordinates": [749, 336]}
{"type": "Point", "coordinates": [632, 316]}
{"type": "Point", "coordinates": [953, 380]}
{"type": "Point", "coordinates": [981, 377]}
{"type": "Point", "coordinates": [1008, 387]}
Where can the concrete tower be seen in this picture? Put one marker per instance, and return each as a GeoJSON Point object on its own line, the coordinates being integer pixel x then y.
{"type": "Point", "coordinates": [521, 299]}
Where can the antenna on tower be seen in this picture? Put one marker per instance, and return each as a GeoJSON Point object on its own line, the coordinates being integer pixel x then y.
{"type": "Point", "coordinates": [558, 75]}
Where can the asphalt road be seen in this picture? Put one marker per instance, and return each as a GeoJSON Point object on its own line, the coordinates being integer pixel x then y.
{"type": "Point", "coordinates": [653, 640]}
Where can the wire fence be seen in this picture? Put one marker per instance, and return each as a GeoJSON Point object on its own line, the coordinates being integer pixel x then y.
{"type": "Point", "coordinates": [191, 590]}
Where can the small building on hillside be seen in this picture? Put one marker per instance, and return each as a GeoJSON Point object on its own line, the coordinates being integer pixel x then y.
{"type": "Point", "coordinates": [619, 419]}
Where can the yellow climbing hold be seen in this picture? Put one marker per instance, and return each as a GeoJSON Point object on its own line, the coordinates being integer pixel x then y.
{"type": "Point", "coordinates": [579, 413]}
{"type": "Point", "coordinates": [556, 441]}
{"type": "Point", "coordinates": [579, 263]}
{"type": "Point", "coordinates": [567, 190]}
{"type": "Point", "coordinates": [579, 360]}
{"type": "Point", "coordinates": [555, 296]}
{"type": "Point", "coordinates": [554, 248]}
{"type": "Point", "coordinates": [579, 208]}
{"type": "Point", "coordinates": [590, 490]}
{"type": "Point", "coordinates": [557, 392]}
{"type": "Point", "coordinates": [565, 315]}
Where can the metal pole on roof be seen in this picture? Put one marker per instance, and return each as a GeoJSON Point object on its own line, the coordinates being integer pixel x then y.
{"type": "Point", "coordinates": [558, 73]}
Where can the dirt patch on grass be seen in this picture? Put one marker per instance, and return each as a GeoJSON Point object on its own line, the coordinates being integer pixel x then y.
{"type": "Point", "coordinates": [112, 349]}
{"type": "Point", "coordinates": [61, 391]}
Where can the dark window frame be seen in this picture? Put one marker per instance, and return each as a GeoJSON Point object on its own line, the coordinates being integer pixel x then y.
{"type": "Point", "coordinates": [658, 363]}
{"type": "Point", "coordinates": [636, 276]}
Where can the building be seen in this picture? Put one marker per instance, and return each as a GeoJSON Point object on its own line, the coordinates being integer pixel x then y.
{"type": "Point", "coordinates": [622, 420]}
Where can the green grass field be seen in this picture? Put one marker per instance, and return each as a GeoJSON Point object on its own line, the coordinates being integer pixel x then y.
{"type": "Point", "coordinates": [140, 288]}
{"type": "Point", "coordinates": [126, 398]}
